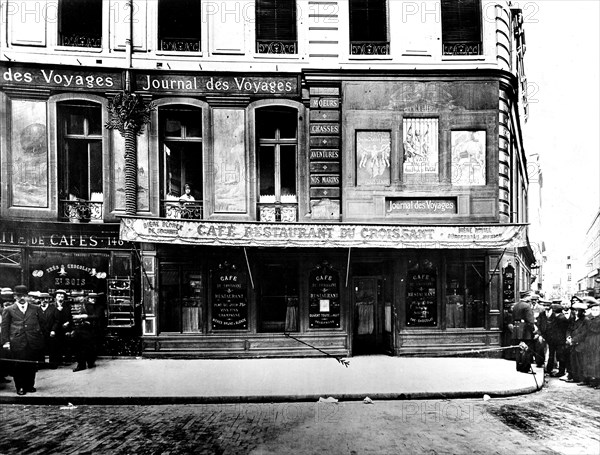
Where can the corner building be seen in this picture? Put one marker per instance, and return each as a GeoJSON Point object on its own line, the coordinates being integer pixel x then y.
{"type": "Point", "coordinates": [356, 171]}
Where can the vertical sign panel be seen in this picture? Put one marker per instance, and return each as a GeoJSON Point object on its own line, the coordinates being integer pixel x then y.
{"type": "Point", "coordinates": [324, 287]}
{"type": "Point", "coordinates": [421, 295]}
{"type": "Point", "coordinates": [29, 163]}
{"type": "Point", "coordinates": [229, 161]}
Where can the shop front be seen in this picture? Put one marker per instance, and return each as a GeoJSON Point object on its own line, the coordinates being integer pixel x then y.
{"type": "Point", "coordinates": [78, 258]}
{"type": "Point", "coordinates": [248, 289]}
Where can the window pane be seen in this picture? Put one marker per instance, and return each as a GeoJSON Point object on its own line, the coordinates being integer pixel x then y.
{"type": "Point", "coordinates": [95, 167]}
{"type": "Point", "coordinates": [75, 122]}
{"type": "Point", "coordinates": [173, 184]}
{"type": "Point", "coordinates": [81, 22]}
{"type": "Point", "coordinates": [266, 170]}
{"type": "Point", "coordinates": [77, 168]}
{"type": "Point", "coordinates": [192, 168]}
{"type": "Point", "coordinates": [276, 20]}
{"type": "Point", "coordinates": [94, 118]}
{"type": "Point", "coordinates": [173, 127]}
{"type": "Point", "coordinates": [288, 170]}
{"type": "Point", "coordinates": [475, 295]}
{"type": "Point", "coordinates": [368, 20]}
{"type": "Point", "coordinates": [170, 300]}
{"type": "Point", "coordinates": [179, 19]}
{"type": "Point", "coordinates": [454, 296]}
{"type": "Point", "coordinates": [193, 124]}
{"type": "Point", "coordinates": [460, 21]}
{"type": "Point", "coordinates": [279, 283]}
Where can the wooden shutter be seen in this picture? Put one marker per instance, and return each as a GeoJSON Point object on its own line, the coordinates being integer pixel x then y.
{"type": "Point", "coordinates": [276, 20]}
{"type": "Point", "coordinates": [461, 21]}
{"type": "Point", "coordinates": [368, 20]}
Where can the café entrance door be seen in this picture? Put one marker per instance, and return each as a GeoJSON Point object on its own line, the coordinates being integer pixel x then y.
{"type": "Point", "coordinates": [372, 317]}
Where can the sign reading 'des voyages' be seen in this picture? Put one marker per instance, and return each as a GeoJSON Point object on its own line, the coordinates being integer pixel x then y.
{"type": "Point", "coordinates": [60, 77]}
{"type": "Point", "coordinates": [217, 84]}
{"type": "Point", "coordinates": [324, 306]}
{"type": "Point", "coordinates": [229, 303]}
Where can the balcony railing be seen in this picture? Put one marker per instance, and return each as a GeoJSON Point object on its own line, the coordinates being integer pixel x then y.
{"type": "Point", "coordinates": [79, 40]}
{"type": "Point", "coordinates": [273, 213]}
{"type": "Point", "coordinates": [80, 211]}
{"type": "Point", "coordinates": [277, 47]}
{"type": "Point", "coordinates": [182, 209]}
{"type": "Point", "coordinates": [370, 47]}
{"type": "Point", "coordinates": [180, 44]}
{"type": "Point", "coordinates": [462, 48]}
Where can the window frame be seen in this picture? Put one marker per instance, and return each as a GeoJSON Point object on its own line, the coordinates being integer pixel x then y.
{"type": "Point", "coordinates": [369, 47]}
{"type": "Point", "coordinates": [95, 45]}
{"type": "Point", "coordinates": [279, 43]}
{"type": "Point", "coordinates": [464, 263]}
{"type": "Point", "coordinates": [461, 43]}
{"type": "Point", "coordinates": [178, 51]}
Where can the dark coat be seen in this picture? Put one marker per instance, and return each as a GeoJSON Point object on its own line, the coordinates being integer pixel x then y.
{"type": "Point", "coordinates": [579, 333]}
{"type": "Point", "coordinates": [557, 329]}
{"type": "Point", "coordinates": [543, 322]}
{"type": "Point", "coordinates": [522, 314]}
{"type": "Point", "coordinates": [62, 317]}
{"type": "Point", "coordinates": [50, 315]}
{"type": "Point", "coordinates": [25, 332]}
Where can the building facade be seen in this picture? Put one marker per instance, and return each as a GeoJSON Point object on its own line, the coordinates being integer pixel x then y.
{"type": "Point", "coordinates": [589, 284]}
{"type": "Point", "coordinates": [356, 171]}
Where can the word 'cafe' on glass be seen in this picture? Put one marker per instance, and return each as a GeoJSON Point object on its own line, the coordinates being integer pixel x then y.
{"type": "Point", "coordinates": [295, 186]}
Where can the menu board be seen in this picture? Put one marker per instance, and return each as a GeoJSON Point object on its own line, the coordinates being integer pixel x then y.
{"type": "Point", "coordinates": [324, 303]}
{"type": "Point", "coordinates": [508, 284]}
{"type": "Point", "coordinates": [421, 301]}
{"type": "Point", "coordinates": [229, 300]}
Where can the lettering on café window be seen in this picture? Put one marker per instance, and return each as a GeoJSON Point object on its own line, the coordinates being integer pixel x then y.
{"type": "Point", "coordinates": [229, 303]}
{"type": "Point", "coordinates": [324, 302]}
{"type": "Point", "coordinates": [421, 294]}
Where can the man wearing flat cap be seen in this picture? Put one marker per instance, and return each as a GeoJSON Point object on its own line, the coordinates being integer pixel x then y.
{"type": "Point", "coordinates": [542, 321]}
{"type": "Point", "coordinates": [85, 319]}
{"type": "Point", "coordinates": [576, 339]}
{"type": "Point", "coordinates": [60, 350]}
{"type": "Point", "coordinates": [557, 337]}
{"type": "Point", "coordinates": [23, 333]}
{"type": "Point", "coordinates": [523, 331]}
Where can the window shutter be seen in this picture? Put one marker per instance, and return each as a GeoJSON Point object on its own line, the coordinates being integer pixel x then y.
{"type": "Point", "coordinates": [276, 20]}
{"type": "Point", "coordinates": [368, 20]}
{"type": "Point", "coordinates": [461, 21]}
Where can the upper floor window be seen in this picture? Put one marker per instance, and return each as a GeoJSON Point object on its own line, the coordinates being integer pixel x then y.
{"type": "Point", "coordinates": [368, 27]}
{"type": "Point", "coordinates": [80, 23]}
{"type": "Point", "coordinates": [276, 27]}
{"type": "Point", "coordinates": [277, 149]}
{"type": "Point", "coordinates": [80, 160]}
{"type": "Point", "coordinates": [181, 166]}
{"type": "Point", "coordinates": [461, 27]}
{"type": "Point", "coordinates": [179, 24]}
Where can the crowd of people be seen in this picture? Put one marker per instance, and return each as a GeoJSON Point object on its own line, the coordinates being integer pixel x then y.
{"type": "Point", "coordinates": [47, 330]}
{"type": "Point", "coordinates": [561, 336]}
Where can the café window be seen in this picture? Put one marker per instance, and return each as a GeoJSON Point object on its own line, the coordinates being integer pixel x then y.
{"type": "Point", "coordinates": [461, 27]}
{"type": "Point", "coordinates": [278, 297]}
{"type": "Point", "coordinates": [80, 158]}
{"type": "Point", "coordinates": [277, 136]}
{"type": "Point", "coordinates": [276, 27]}
{"type": "Point", "coordinates": [80, 23]}
{"type": "Point", "coordinates": [181, 162]}
{"type": "Point", "coordinates": [465, 294]}
{"type": "Point", "coordinates": [182, 294]}
{"type": "Point", "coordinates": [179, 25]}
{"type": "Point", "coordinates": [368, 27]}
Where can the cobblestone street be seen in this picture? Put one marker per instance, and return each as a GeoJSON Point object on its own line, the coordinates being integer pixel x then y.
{"type": "Point", "coordinates": [562, 418]}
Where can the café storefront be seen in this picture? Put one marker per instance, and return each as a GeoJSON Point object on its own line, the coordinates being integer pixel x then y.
{"type": "Point", "coordinates": [248, 289]}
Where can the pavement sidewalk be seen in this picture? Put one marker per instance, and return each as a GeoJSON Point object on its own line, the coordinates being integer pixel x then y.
{"type": "Point", "coordinates": [171, 381]}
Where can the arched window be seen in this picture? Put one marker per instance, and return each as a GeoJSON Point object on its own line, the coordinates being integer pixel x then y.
{"type": "Point", "coordinates": [181, 161]}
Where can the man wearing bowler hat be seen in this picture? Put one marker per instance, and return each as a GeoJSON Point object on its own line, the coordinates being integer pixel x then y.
{"type": "Point", "coordinates": [23, 333]}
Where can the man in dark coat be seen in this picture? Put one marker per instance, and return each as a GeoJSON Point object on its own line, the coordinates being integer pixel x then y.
{"type": "Point", "coordinates": [50, 324]}
{"type": "Point", "coordinates": [85, 318]}
{"type": "Point", "coordinates": [556, 336]}
{"type": "Point", "coordinates": [60, 350]}
{"type": "Point", "coordinates": [523, 332]}
{"type": "Point", "coordinates": [23, 333]}
{"type": "Point", "coordinates": [576, 339]}
{"type": "Point", "coordinates": [543, 321]}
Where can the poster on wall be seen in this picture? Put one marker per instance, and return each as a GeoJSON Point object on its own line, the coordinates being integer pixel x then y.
{"type": "Point", "coordinates": [324, 303]}
{"type": "Point", "coordinates": [229, 304]}
{"type": "Point", "coordinates": [229, 161]}
{"type": "Point", "coordinates": [69, 271]}
{"type": "Point", "coordinates": [468, 158]}
{"type": "Point", "coordinates": [421, 295]}
{"type": "Point", "coordinates": [373, 150]}
{"type": "Point", "coordinates": [420, 143]}
{"type": "Point", "coordinates": [29, 164]}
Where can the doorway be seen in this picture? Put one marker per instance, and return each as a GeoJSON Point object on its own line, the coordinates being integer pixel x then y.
{"type": "Point", "coordinates": [372, 317]}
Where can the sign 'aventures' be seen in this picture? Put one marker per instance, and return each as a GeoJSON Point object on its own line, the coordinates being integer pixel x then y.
{"type": "Point", "coordinates": [245, 85]}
